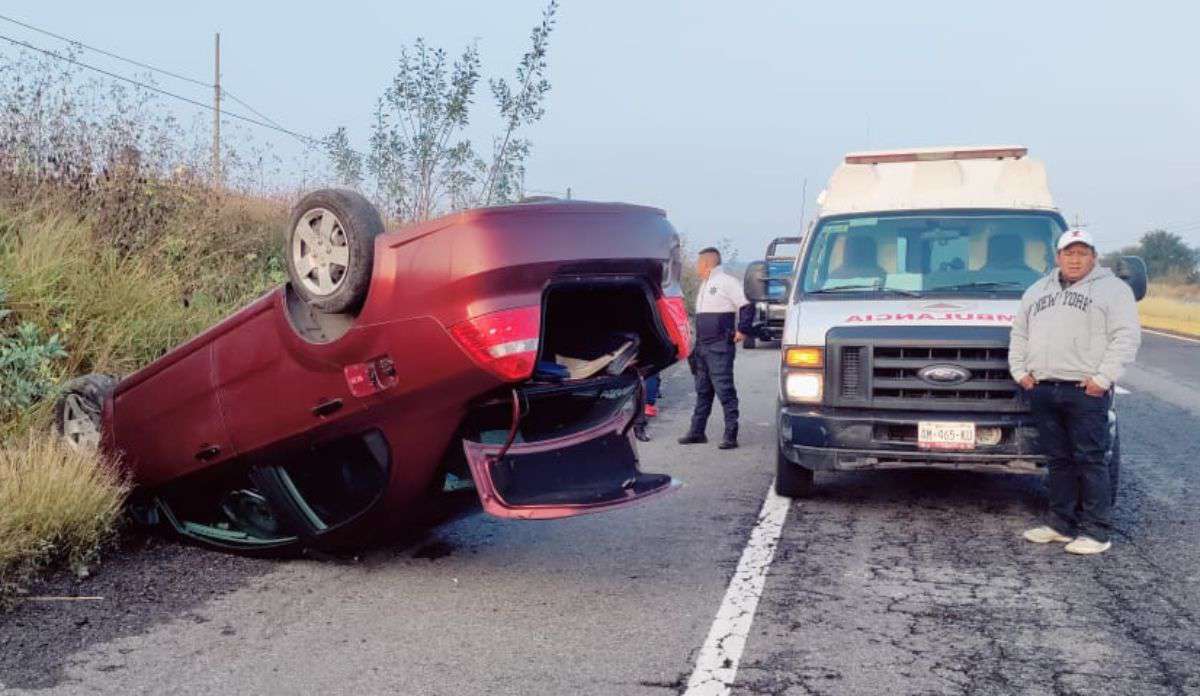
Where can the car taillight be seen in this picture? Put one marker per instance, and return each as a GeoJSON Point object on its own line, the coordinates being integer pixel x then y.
{"type": "Point", "coordinates": [504, 343]}
{"type": "Point", "coordinates": [674, 315]}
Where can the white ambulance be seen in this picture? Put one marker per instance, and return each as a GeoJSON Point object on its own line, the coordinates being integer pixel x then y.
{"type": "Point", "coordinates": [895, 345]}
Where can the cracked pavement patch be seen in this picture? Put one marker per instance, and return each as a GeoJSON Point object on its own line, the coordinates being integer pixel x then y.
{"type": "Point", "coordinates": [919, 582]}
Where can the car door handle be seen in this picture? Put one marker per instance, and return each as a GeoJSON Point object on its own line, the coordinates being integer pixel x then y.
{"type": "Point", "coordinates": [326, 408]}
{"type": "Point", "coordinates": [208, 452]}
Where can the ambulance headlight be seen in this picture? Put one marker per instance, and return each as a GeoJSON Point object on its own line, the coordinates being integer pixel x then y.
{"type": "Point", "coordinates": [803, 386]}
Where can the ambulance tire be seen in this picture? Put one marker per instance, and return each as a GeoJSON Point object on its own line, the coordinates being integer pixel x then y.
{"type": "Point", "coordinates": [792, 480]}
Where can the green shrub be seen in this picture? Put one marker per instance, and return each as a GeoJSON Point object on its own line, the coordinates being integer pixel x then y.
{"type": "Point", "coordinates": [27, 364]}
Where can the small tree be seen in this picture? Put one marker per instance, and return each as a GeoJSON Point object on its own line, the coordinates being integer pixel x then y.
{"type": "Point", "coordinates": [1166, 255]}
{"type": "Point", "coordinates": [418, 161]}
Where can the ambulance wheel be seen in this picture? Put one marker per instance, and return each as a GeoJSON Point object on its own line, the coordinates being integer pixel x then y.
{"type": "Point", "coordinates": [792, 480]}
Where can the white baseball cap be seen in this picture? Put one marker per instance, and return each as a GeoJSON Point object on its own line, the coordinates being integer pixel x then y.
{"type": "Point", "coordinates": [1076, 236]}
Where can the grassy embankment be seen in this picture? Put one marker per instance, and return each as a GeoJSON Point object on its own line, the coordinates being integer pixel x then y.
{"type": "Point", "coordinates": [116, 301]}
{"type": "Point", "coordinates": [1174, 308]}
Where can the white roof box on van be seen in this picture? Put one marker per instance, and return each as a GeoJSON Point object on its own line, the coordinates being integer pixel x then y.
{"type": "Point", "coordinates": [993, 176]}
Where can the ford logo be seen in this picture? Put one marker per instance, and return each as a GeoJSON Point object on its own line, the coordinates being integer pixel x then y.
{"type": "Point", "coordinates": [944, 374]}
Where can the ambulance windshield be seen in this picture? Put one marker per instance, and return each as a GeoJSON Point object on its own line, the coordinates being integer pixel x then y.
{"type": "Point", "coordinates": [931, 253]}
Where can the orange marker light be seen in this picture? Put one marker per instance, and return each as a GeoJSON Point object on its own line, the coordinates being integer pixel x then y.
{"type": "Point", "coordinates": [804, 357]}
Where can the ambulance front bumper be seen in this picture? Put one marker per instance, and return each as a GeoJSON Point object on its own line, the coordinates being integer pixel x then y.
{"type": "Point", "coordinates": [846, 439]}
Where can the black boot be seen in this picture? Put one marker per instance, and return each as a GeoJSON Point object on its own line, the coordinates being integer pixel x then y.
{"type": "Point", "coordinates": [693, 439]}
{"type": "Point", "coordinates": [730, 439]}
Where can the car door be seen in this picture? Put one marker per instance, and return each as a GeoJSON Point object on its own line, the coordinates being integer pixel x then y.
{"type": "Point", "coordinates": [276, 388]}
{"type": "Point", "coordinates": [559, 450]}
{"type": "Point", "coordinates": [168, 420]}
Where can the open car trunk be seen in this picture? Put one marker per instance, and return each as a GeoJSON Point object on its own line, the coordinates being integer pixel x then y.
{"type": "Point", "coordinates": [588, 316]}
{"type": "Point", "coordinates": [559, 445]}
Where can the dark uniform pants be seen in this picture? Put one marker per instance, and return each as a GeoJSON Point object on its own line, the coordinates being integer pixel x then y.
{"type": "Point", "coordinates": [714, 377]}
{"type": "Point", "coordinates": [1074, 434]}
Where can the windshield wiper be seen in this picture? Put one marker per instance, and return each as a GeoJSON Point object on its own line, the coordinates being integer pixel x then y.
{"type": "Point", "coordinates": [980, 285]}
{"type": "Point", "coordinates": [845, 288]}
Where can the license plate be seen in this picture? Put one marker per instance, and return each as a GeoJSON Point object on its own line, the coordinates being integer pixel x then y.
{"type": "Point", "coordinates": [945, 435]}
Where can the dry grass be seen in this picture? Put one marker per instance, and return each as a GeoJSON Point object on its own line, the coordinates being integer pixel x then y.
{"type": "Point", "coordinates": [116, 308]}
{"type": "Point", "coordinates": [1172, 308]}
{"type": "Point", "coordinates": [117, 312]}
{"type": "Point", "coordinates": [56, 505]}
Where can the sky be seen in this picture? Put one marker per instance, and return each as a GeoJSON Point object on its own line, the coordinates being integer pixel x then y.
{"type": "Point", "coordinates": [730, 116]}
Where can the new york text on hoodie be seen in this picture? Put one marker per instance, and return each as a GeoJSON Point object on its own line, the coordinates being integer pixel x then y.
{"type": "Point", "coordinates": [1089, 329]}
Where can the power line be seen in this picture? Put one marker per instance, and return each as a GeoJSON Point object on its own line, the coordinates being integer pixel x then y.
{"type": "Point", "coordinates": [110, 54]}
{"type": "Point", "coordinates": [299, 136]}
{"type": "Point", "coordinates": [208, 85]}
{"type": "Point", "coordinates": [226, 93]}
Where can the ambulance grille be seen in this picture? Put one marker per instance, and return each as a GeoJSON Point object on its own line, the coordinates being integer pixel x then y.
{"type": "Point", "coordinates": [878, 367]}
{"type": "Point", "coordinates": [850, 384]}
{"type": "Point", "coordinates": [894, 375]}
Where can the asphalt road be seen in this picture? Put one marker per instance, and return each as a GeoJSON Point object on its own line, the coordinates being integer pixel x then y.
{"type": "Point", "coordinates": [896, 582]}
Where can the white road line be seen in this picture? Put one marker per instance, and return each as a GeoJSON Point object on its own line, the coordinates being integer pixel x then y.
{"type": "Point", "coordinates": [1123, 390]}
{"type": "Point", "coordinates": [717, 663]}
{"type": "Point", "coordinates": [1171, 335]}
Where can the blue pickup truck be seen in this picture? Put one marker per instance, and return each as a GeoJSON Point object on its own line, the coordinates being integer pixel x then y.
{"type": "Point", "coordinates": [779, 264]}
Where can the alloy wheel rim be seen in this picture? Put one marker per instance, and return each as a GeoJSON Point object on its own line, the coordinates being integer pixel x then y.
{"type": "Point", "coordinates": [320, 252]}
{"type": "Point", "coordinates": [80, 424]}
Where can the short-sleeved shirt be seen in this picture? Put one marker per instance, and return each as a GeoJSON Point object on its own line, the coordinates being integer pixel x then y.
{"type": "Point", "coordinates": [717, 304]}
{"type": "Point", "coordinates": [720, 293]}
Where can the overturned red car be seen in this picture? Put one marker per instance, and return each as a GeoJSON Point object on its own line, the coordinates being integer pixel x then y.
{"type": "Point", "coordinates": [506, 345]}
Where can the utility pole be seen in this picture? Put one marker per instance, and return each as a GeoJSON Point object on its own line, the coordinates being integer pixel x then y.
{"type": "Point", "coordinates": [803, 202]}
{"type": "Point", "coordinates": [216, 152]}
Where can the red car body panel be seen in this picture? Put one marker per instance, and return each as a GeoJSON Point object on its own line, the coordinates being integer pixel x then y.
{"type": "Point", "coordinates": [252, 387]}
{"type": "Point", "coordinates": [480, 456]}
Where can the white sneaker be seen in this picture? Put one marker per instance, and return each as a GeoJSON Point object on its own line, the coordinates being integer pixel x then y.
{"type": "Point", "coordinates": [1044, 535]}
{"type": "Point", "coordinates": [1086, 546]}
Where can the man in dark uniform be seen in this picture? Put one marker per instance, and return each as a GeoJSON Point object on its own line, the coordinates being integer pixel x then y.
{"type": "Point", "coordinates": [723, 317]}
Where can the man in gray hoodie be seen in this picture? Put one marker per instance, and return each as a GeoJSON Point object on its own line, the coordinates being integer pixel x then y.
{"type": "Point", "coordinates": [1072, 339]}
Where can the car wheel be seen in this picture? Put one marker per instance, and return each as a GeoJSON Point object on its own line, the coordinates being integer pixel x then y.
{"type": "Point", "coordinates": [749, 342]}
{"type": "Point", "coordinates": [792, 480]}
{"type": "Point", "coordinates": [330, 249]}
{"type": "Point", "coordinates": [77, 412]}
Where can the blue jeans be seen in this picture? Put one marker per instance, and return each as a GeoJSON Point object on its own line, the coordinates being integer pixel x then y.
{"type": "Point", "coordinates": [1073, 431]}
{"type": "Point", "coordinates": [652, 387]}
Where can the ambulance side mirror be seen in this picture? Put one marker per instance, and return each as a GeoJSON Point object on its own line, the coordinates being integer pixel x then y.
{"type": "Point", "coordinates": [755, 282]}
{"type": "Point", "coordinates": [1132, 270]}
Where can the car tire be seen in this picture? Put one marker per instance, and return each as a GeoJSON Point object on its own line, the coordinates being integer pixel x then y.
{"type": "Point", "coordinates": [792, 480]}
{"type": "Point", "coordinates": [79, 409]}
{"type": "Point", "coordinates": [749, 342]}
{"type": "Point", "coordinates": [330, 249]}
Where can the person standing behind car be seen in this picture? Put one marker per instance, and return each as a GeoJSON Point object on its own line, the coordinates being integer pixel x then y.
{"type": "Point", "coordinates": [1071, 341]}
{"type": "Point", "coordinates": [723, 317]}
{"type": "Point", "coordinates": [640, 421]}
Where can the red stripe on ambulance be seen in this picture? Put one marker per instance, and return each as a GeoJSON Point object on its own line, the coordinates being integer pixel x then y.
{"type": "Point", "coordinates": [928, 317]}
